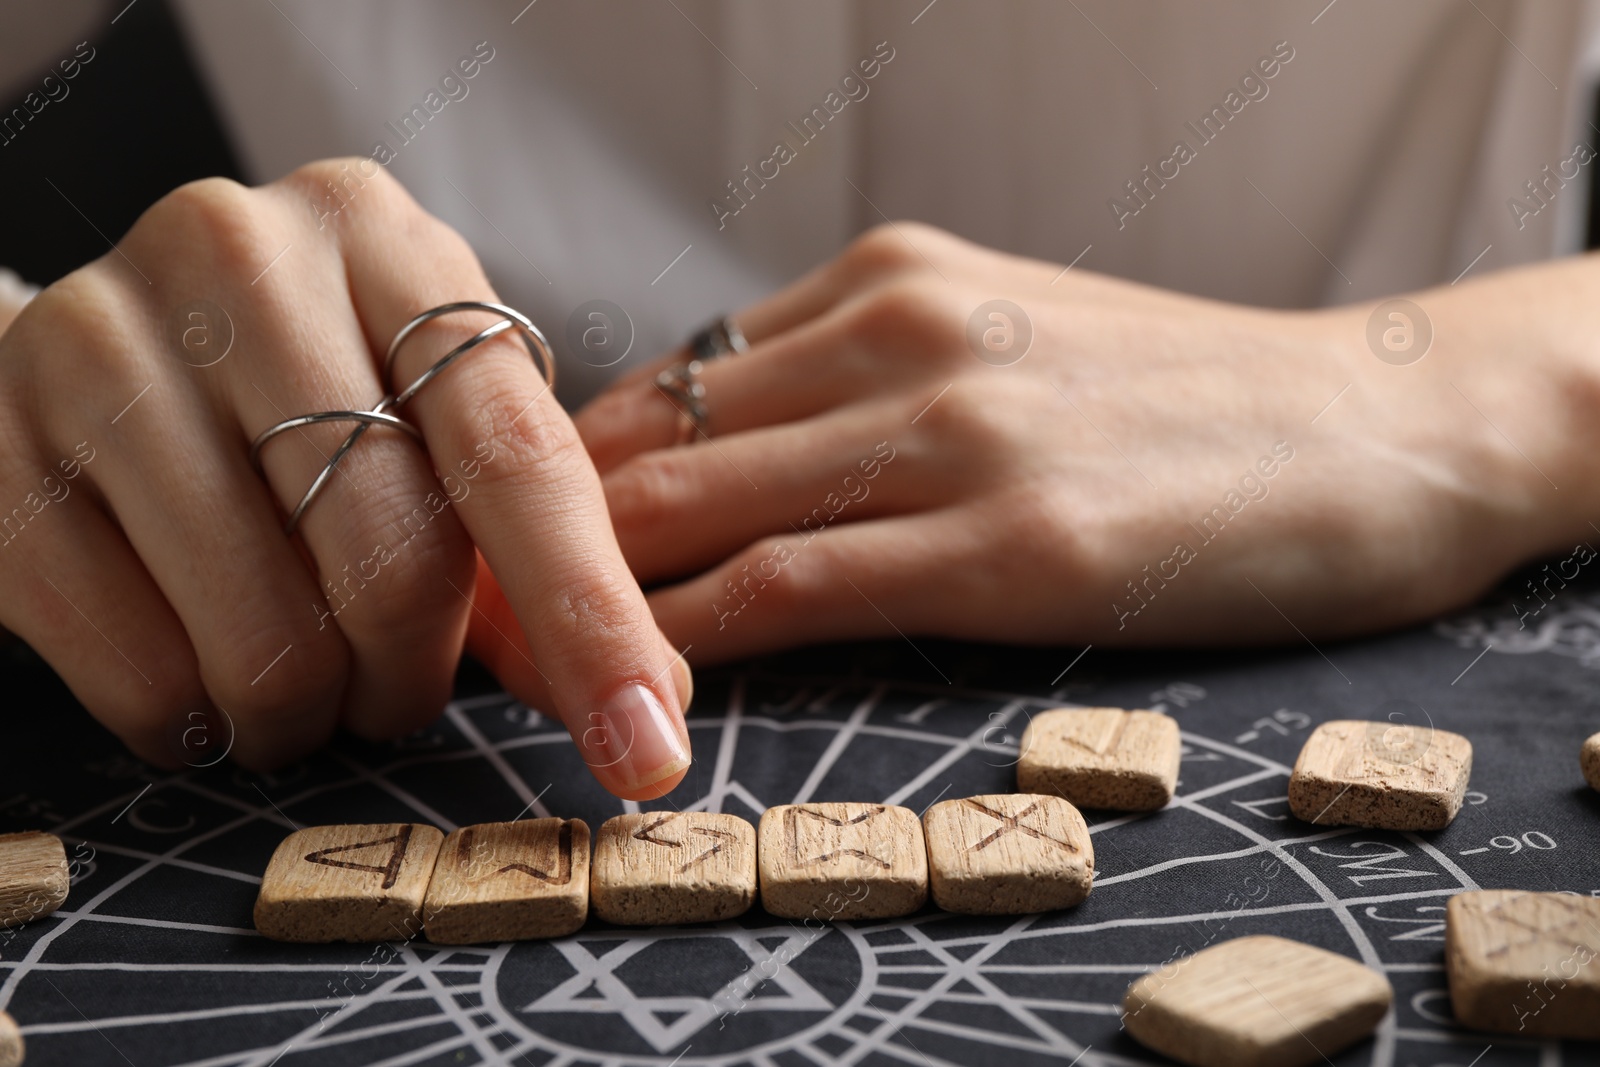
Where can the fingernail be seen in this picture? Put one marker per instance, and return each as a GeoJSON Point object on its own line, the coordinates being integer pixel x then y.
{"type": "Point", "coordinates": [683, 679]}
{"type": "Point", "coordinates": [682, 676]}
{"type": "Point", "coordinates": [632, 741]}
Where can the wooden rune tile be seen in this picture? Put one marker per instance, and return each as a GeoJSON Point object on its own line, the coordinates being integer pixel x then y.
{"type": "Point", "coordinates": [842, 861]}
{"type": "Point", "coordinates": [1256, 1002]}
{"type": "Point", "coordinates": [33, 876]}
{"type": "Point", "coordinates": [348, 883]}
{"type": "Point", "coordinates": [509, 881]}
{"type": "Point", "coordinates": [1101, 757]}
{"type": "Point", "coordinates": [12, 1049]}
{"type": "Point", "coordinates": [1380, 775]}
{"type": "Point", "coordinates": [659, 868]}
{"type": "Point", "coordinates": [1008, 854]}
{"type": "Point", "coordinates": [1524, 963]}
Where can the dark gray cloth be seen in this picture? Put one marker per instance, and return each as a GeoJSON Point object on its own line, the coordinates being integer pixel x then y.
{"type": "Point", "coordinates": [153, 959]}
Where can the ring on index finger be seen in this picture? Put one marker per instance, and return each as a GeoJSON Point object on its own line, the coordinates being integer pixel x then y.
{"type": "Point", "coordinates": [511, 319]}
{"type": "Point", "coordinates": [532, 339]}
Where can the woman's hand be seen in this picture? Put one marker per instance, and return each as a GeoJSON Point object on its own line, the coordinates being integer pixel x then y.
{"type": "Point", "coordinates": [893, 455]}
{"type": "Point", "coordinates": [142, 556]}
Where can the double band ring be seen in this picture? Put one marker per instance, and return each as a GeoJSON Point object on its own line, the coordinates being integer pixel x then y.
{"type": "Point", "coordinates": [376, 417]}
{"type": "Point", "coordinates": [538, 348]}
{"type": "Point", "coordinates": [371, 418]}
{"type": "Point", "coordinates": [380, 415]}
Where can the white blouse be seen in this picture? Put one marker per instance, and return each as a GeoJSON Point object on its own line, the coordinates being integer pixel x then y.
{"type": "Point", "coordinates": [684, 157]}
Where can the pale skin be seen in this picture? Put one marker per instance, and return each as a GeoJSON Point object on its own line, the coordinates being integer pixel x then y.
{"type": "Point", "coordinates": [158, 580]}
{"type": "Point", "coordinates": [953, 497]}
{"type": "Point", "coordinates": [1023, 501]}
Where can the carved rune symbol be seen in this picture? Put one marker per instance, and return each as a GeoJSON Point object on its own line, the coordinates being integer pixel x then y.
{"type": "Point", "coordinates": [563, 873]}
{"type": "Point", "coordinates": [791, 818]}
{"type": "Point", "coordinates": [1014, 824]}
{"type": "Point", "coordinates": [1108, 744]}
{"type": "Point", "coordinates": [1561, 931]}
{"type": "Point", "coordinates": [390, 870]}
{"type": "Point", "coordinates": [647, 833]}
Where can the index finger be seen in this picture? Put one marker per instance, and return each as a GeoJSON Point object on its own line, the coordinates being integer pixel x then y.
{"type": "Point", "coordinates": [511, 463]}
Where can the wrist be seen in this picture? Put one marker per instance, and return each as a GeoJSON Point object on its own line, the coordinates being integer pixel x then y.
{"type": "Point", "coordinates": [1446, 458]}
{"type": "Point", "coordinates": [1529, 364]}
{"type": "Point", "coordinates": [1507, 403]}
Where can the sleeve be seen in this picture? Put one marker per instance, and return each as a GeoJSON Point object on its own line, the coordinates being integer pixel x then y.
{"type": "Point", "coordinates": [34, 36]}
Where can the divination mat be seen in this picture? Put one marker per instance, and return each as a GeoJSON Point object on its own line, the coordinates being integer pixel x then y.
{"type": "Point", "coordinates": [153, 960]}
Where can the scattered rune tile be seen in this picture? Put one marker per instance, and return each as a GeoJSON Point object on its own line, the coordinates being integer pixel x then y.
{"type": "Point", "coordinates": [1589, 758]}
{"type": "Point", "coordinates": [1008, 854]}
{"type": "Point", "coordinates": [509, 881]}
{"type": "Point", "coordinates": [842, 861]}
{"type": "Point", "coordinates": [661, 868]}
{"type": "Point", "coordinates": [33, 876]}
{"type": "Point", "coordinates": [1380, 775]}
{"type": "Point", "coordinates": [1524, 963]}
{"type": "Point", "coordinates": [1101, 757]}
{"type": "Point", "coordinates": [12, 1049]}
{"type": "Point", "coordinates": [1256, 1002]}
{"type": "Point", "coordinates": [348, 883]}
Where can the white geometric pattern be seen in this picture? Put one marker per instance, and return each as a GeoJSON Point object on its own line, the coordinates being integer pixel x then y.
{"type": "Point", "coordinates": [1573, 631]}
{"type": "Point", "coordinates": [926, 990]}
{"type": "Point", "coordinates": [765, 968]}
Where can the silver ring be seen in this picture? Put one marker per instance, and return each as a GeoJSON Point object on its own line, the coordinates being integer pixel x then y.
{"type": "Point", "coordinates": [532, 339]}
{"type": "Point", "coordinates": [717, 338]}
{"type": "Point", "coordinates": [376, 417]}
{"type": "Point", "coordinates": [535, 342]}
{"type": "Point", "coordinates": [681, 384]}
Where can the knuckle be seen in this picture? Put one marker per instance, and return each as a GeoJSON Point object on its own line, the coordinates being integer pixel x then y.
{"type": "Point", "coordinates": [373, 197]}
{"type": "Point", "coordinates": [778, 573]}
{"type": "Point", "coordinates": [909, 316]}
{"type": "Point", "coordinates": [203, 198]}
{"type": "Point", "coordinates": [885, 249]}
{"type": "Point", "coordinates": [925, 237]}
{"type": "Point", "coordinates": [203, 205]}
{"type": "Point", "coordinates": [77, 312]}
{"type": "Point", "coordinates": [333, 183]}
{"type": "Point", "coordinates": [225, 224]}
{"type": "Point", "coordinates": [1045, 533]}
{"type": "Point", "coordinates": [404, 574]}
{"type": "Point", "coordinates": [976, 420]}
{"type": "Point", "coordinates": [516, 435]}
{"type": "Point", "coordinates": [77, 331]}
{"type": "Point", "coordinates": [645, 492]}
{"type": "Point", "coordinates": [319, 173]}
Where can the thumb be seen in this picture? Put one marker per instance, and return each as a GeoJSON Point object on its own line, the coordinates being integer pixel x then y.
{"type": "Point", "coordinates": [496, 640]}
